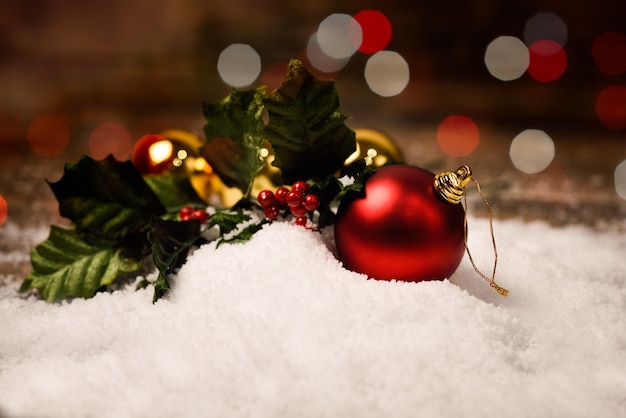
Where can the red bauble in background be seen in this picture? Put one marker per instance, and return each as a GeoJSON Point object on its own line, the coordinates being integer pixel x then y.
{"type": "Point", "coordinates": [400, 228]}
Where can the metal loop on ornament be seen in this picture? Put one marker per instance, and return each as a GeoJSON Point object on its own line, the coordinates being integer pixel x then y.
{"type": "Point", "coordinates": [451, 185]}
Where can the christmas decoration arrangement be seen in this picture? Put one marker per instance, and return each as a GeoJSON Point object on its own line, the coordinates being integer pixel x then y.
{"type": "Point", "coordinates": [282, 156]}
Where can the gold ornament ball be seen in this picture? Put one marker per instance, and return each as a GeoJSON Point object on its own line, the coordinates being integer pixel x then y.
{"type": "Point", "coordinates": [376, 148]}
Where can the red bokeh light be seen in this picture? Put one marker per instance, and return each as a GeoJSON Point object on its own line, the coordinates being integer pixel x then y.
{"type": "Point", "coordinates": [110, 138]}
{"type": "Point", "coordinates": [4, 210]}
{"type": "Point", "coordinates": [548, 60]}
{"type": "Point", "coordinates": [609, 52]}
{"type": "Point", "coordinates": [49, 134]}
{"type": "Point", "coordinates": [458, 136]}
{"type": "Point", "coordinates": [376, 31]}
{"type": "Point", "coordinates": [611, 107]}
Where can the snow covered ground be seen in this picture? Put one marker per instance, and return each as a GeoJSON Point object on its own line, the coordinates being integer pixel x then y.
{"type": "Point", "coordinates": [277, 328]}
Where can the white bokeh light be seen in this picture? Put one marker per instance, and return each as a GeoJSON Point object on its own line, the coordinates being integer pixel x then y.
{"type": "Point", "coordinates": [320, 60]}
{"type": "Point", "coordinates": [620, 179]}
{"type": "Point", "coordinates": [532, 151]}
{"type": "Point", "coordinates": [339, 35]}
{"type": "Point", "coordinates": [507, 58]}
{"type": "Point", "coordinates": [387, 73]}
{"type": "Point", "coordinates": [239, 65]}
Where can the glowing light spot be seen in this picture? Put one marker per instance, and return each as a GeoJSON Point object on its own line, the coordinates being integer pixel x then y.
{"type": "Point", "coordinates": [458, 136]}
{"type": "Point", "coordinates": [239, 65]}
{"type": "Point", "coordinates": [532, 151]}
{"type": "Point", "coordinates": [507, 58]}
{"type": "Point", "coordinates": [4, 210]}
{"type": "Point", "coordinates": [49, 134]}
{"type": "Point", "coordinates": [611, 107]}
{"type": "Point", "coordinates": [110, 138]}
{"type": "Point", "coordinates": [545, 26]}
{"type": "Point", "coordinates": [273, 75]}
{"type": "Point", "coordinates": [387, 73]}
{"type": "Point", "coordinates": [376, 30]}
{"type": "Point", "coordinates": [548, 61]}
{"type": "Point", "coordinates": [160, 151]}
{"type": "Point", "coordinates": [339, 35]}
{"type": "Point", "coordinates": [609, 52]}
{"type": "Point", "coordinates": [320, 60]}
{"type": "Point", "coordinates": [620, 179]}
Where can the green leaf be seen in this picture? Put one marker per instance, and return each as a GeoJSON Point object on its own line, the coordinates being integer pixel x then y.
{"type": "Point", "coordinates": [106, 199]}
{"type": "Point", "coordinates": [174, 191]}
{"type": "Point", "coordinates": [236, 226]}
{"type": "Point", "coordinates": [228, 221]}
{"type": "Point", "coordinates": [234, 131]}
{"type": "Point", "coordinates": [64, 265]}
{"type": "Point", "coordinates": [171, 241]}
{"type": "Point", "coordinates": [306, 126]}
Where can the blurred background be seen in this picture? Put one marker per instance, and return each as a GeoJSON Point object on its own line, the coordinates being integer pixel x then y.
{"type": "Point", "coordinates": [531, 94]}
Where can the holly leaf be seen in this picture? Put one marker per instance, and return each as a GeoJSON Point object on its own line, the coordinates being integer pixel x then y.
{"type": "Point", "coordinates": [235, 226]}
{"type": "Point", "coordinates": [171, 241]}
{"type": "Point", "coordinates": [173, 191]}
{"type": "Point", "coordinates": [65, 265]}
{"type": "Point", "coordinates": [306, 126]}
{"type": "Point", "coordinates": [234, 131]}
{"type": "Point", "coordinates": [106, 199]}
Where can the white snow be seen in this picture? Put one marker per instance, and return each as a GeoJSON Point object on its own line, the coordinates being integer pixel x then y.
{"type": "Point", "coordinates": [277, 328]}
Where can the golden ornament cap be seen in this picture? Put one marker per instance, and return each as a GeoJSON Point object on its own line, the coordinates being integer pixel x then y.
{"type": "Point", "coordinates": [450, 185]}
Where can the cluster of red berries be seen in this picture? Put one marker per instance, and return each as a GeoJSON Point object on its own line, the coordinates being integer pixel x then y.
{"type": "Point", "coordinates": [187, 213]}
{"type": "Point", "coordinates": [298, 200]}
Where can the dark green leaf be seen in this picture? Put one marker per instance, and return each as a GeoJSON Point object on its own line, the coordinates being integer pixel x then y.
{"type": "Point", "coordinates": [228, 221]}
{"type": "Point", "coordinates": [105, 199]}
{"type": "Point", "coordinates": [242, 236]}
{"type": "Point", "coordinates": [174, 191]}
{"type": "Point", "coordinates": [64, 265]}
{"type": "Point", "coordinates": [235, 134]}
{"type": "Point", "coordinates": [306, 126]}
{"type": "Point", "coordinates": [171, 241]}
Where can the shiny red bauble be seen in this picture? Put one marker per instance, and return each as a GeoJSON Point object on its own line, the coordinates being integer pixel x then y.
{"type": "Point", "coordinates": [399, 228]}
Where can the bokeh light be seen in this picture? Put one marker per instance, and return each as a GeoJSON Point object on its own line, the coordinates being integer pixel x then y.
{"type": "Point", "coordinates": [239, 65]}
{"type": "Point", "coordinates": [609, 52]}
{"type": "Point", "coordinates": [620, 179]}
{"type": "Point", "coordinates": [339, 35]}
{"type": "Point", "coordinates": [49, 134]}
{"type": "Point", "coordinates": [458, 136]}
{"type": "Point", "coordinates": [376, 30]}
{"type": "Point", "coordinates": [110, 138]}
{"type": "Point", "coordinates": [532, 151]}
{"type": "Point", "coordinates": [548, 60]}
{"type": "Point", "coordinates": [4, 210]}
{"type": "Point", "coordinates": [322, 61]}
{"type": "Point", "coordinates": [545, 27]}
{"type": "Point", "coordinates": [611, 107]}
{"type": "Point", "coordinates": [507, 58]}
{"type": "Point", "coordinates": [387, 73]}
{"type": "Point", "coordinates": [273, 75]}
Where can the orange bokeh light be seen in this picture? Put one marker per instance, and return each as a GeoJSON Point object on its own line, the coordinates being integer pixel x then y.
{"type": "Point", "coordinates": [611, 107]}
{"type": "Point", "coordinates": [110, 138]}
{"type": "Point", "coordinates": [49, 134]}
{"type": "Point", "coordinates": [4, 210]}
{"type": "Point", "coordinates": [548, 60]}
{"type": "Point", "coordinates": [458, 136]}
{"type": "Point", "coordinates": [376, 31]}
{"type": "Point", "coordinates": [609, 52]}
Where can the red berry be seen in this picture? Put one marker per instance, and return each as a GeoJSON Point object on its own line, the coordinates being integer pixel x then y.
{"type": "Point", "coordinates": [300, 186]}
{"type": "Point", "coordinates": [280, 195]}
{"type": "Point", "coordinates": [301, 220]}
{"type": "Point", "coordinates": [271, 212]}
{"type": "Point", "coordinates": [311, 202]}
{"type": "Point", "coordinates": [294, 198]}
{"type": "Point", "coordinates": [185, 217]}
{"type": "Point", "coordinates": [266, 198]}
{"type": "Point", "coordinates": [298, 210]}
{"type": "Point", "coordinates": [185, 211]}
{"type": "Point", "coordinates": [200, 215]}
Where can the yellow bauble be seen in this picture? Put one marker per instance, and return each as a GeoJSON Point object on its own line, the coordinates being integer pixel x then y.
{"type": "Point", "coordinates": [376, 148]}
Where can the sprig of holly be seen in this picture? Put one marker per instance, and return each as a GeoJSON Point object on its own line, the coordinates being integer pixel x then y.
{"type": "Point", "coordinates": [121, 218]}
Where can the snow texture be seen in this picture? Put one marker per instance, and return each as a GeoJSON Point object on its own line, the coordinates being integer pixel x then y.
{"type": "Point", "coordinates": [277, 328]}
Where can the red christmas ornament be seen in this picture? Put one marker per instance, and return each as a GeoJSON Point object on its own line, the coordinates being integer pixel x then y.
{"type": "Point", "coordinates": [407, 225]}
